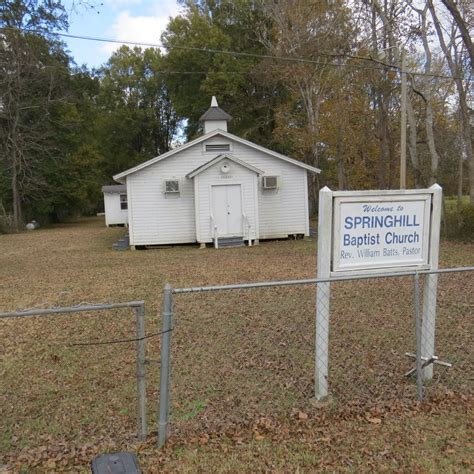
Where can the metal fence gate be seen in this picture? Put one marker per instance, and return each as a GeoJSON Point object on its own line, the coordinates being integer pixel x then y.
{"type": "Point", "coordinates": [138, 308]}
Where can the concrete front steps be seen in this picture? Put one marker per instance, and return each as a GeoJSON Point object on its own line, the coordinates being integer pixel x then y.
{"type": "Point", "coordinates": [122, 244]}
{"type": "Point", "coordinates": [226, 242]}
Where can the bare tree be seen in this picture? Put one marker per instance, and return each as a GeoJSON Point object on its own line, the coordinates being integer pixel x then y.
{"type": "Point", "coordinates": [427, 83]}
{"type": "Point", "coordinates": [463, 24]}
{"type": "Point", "coordinates": [305, 29]}
{"type": "Point", "coordinates": [394, 46]}
{"type": "Point", "coordinates": [454, 57]}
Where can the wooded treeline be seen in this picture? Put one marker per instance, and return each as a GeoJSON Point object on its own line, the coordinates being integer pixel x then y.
{"type": "Point", "coordinates": [318, 80]}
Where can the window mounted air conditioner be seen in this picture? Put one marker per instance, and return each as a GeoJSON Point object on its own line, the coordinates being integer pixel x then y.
{"type": "Point", "coordinates": [270, 182]}
{"type": "Point", "coordinates": [172, 186]}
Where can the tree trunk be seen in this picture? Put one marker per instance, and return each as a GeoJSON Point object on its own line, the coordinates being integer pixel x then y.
{"type": "Point", "coordinates": [427, 93]}
{"type": "Point", "coordinates": [384, 140]}
{"type": "Point", "coordinates": [341, 173]}
{"type": "Point", "coordinates": [412, 143]}
{"type": "Point", "coordinates": [431, 143]}
{"type": "Point", "coordinates": [17, 214]}
{"type": "Point", "coordinates": [459, 193]}
{"type": "Point", "coordinates": [467, 135]}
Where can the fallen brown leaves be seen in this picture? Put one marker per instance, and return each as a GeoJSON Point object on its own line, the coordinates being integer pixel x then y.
{"type": "Point", "coordinates": [339, 441]}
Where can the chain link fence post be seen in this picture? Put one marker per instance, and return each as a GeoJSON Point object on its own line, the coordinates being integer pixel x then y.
{"type": "Point", "coordinates": [322, 340]}
{"type": "Point", "coordinates": [419, 368]}
{"type": "Point", "coordinates": [165, 365]}
{"type": "Point", "coordinates": [141, 387]}
{"type": "Point", "coordinates": [429, 322]}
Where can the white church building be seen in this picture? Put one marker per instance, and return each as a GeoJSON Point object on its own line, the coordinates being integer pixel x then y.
{"type": "Point", "coordinates": [218, 188]}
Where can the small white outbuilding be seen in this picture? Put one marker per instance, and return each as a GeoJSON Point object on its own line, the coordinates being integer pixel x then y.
{"type": "Point", "coordinates": [115, 204]}
{"type": "Point", "coordinates": [217, 188]}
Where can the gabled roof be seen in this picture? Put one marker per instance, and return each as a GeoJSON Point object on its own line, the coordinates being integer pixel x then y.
{"type": "Point", "coordinates": [119, 177]}
{"type": "Point", "coordinates": [221, 157]}
{"type": "Point", "coordinates": [114, 188]}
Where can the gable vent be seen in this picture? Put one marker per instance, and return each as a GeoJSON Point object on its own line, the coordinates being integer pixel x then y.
{"type": "Point", "coordinates": [218, 147]}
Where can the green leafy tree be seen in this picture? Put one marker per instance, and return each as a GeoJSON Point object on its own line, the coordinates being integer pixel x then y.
{"type": "Point", "coordinates": [137, 119]}
{"type": "Point", "coordinates": [75, 179]}
{"type": "Point", "coordinates": [199, 66]}
{"type": "Point", "coordinates": [33, 66]}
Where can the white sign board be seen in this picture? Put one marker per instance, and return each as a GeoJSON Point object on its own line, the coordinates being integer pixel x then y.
{"type": "Point", "coordinates": [375, 232]}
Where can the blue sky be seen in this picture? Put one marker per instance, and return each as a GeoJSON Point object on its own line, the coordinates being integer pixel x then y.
{"type": "Point", "coordinates": [128, 20]}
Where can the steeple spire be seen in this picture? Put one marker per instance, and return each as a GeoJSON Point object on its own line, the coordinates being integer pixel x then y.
{"type": "Point", "coordinates": [215, 117]}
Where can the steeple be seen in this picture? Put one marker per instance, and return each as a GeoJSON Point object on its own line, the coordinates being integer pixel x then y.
{"type": "Point", "coordinates": [215, 117]}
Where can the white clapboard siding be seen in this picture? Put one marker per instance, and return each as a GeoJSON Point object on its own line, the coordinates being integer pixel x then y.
{"type": "Point", "coordinates": [159, 218]}
{"type": "Point", "coordinates": [113, 213]}
{"type": "Point", "coordinates": [283, 211]}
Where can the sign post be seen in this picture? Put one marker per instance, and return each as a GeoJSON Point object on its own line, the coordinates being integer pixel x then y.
{"type": "Point", "coordinates": [375, 232]}
{"type": "Point", "coordinates": [323, 293]}
{"type": "Point", "coordinates": [430, 292]}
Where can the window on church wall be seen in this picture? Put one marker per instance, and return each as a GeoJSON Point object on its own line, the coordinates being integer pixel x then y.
{"type": "Point", "coordinates": [123, 202]}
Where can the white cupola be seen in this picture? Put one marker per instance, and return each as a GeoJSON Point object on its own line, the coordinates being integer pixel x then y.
{"type": "Point", "coordinates": [215, 118]}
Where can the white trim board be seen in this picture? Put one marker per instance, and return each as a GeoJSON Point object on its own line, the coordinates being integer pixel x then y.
{"type": "Point", "coordinates": [219, 158]}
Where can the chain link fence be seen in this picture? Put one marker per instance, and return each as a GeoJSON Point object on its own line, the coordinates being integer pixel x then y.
{"type": "Point", "coordinates": [234, 354]}
{"type": "Point", "coordinates": [450, 325]}
{"type": "Point", "coordinates": [75, 371]}
{"type": "Point", "coordinates": [241, 352]}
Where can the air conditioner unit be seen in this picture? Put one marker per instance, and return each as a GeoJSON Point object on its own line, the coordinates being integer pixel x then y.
{"type": "Point", "coordinates": [270, 182]}
{"type": "Point", "coordinates": [171, 186]}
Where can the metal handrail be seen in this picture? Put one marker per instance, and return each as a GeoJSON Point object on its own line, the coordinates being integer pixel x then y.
{"type": "Point", "coordinates": [214, 232]}
{"type": "Point", "coordinates": [246, 223]}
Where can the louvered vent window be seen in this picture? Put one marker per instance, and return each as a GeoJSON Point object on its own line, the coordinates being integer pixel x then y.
{"type": "Point", "coordinates": [218, 147]}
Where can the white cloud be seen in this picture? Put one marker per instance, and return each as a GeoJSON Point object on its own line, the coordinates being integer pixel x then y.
{"type": "Point", "coordinates": [141, 28]}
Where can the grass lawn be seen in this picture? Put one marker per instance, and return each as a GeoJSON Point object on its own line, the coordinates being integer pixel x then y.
{"type": "Point", "coordinates": [451, 202]}
{"type": "Point", "coordinates": [242, 362]}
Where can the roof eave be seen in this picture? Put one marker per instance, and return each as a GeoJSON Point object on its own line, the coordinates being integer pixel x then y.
{"type": "Point", "coordinates": [113, 188]}
{"type": "Point", "coordinates": [120, 176]}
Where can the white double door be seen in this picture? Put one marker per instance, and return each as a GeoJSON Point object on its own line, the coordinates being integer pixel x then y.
{"type": "Point", "coordinates": [227, 209]}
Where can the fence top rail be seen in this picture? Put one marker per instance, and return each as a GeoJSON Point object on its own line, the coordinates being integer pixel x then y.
{"type": "Point", "coordinates": [312, 281]}
{"type": "Point", "coordinates": [70, 309]}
